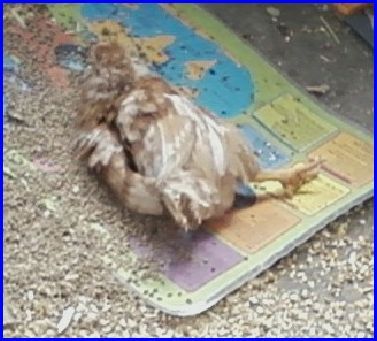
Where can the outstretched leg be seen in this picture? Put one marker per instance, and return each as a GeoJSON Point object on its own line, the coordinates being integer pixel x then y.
{"type": "Point", "coordinates": [291, 178]}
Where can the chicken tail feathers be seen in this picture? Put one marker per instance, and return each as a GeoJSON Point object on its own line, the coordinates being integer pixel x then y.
{"type": "Point", "coordinates": [98, 145]}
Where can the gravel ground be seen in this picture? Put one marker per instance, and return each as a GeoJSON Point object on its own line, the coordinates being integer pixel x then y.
{"type": "Point", "coordinates": [55, 248]}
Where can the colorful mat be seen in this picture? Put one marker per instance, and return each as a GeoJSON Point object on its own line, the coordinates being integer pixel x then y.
{"type": "Point", "coordinates": [194, 51]}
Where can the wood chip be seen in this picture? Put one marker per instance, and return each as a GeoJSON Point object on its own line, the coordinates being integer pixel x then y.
{"type": "Point", "coordinates": [66, 319]}
{"type": "Point", "coordinates": [330, 30]}
{"type": "Point", "coordinates": [319, 89]}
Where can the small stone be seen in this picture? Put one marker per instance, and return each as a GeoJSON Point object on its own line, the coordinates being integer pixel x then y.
{"type": "Point", "coordinates": [103, 322]}
{"type": "Point", "coordinates": [50, 332]}
{"type": "Point", "coordinates": [316, 307]}
{"type": "Point", "coordinates": [123, 323]}
{"type": "Point", "coordinates": [352, 258]}
{"type": "Point", "coordinates": [107, 329]}
{"type": "Point", "coordinates": [253, 301]}
{"type": "Point", "coordinates": [132, 323]}
{"type": "Point", "coordinates": [342, 230]}
{"type": "Point", "coordinates": [312, 331]}
{"type": "Point", "coordinates": [28, 314]}
{"type": "Point", "coordinates": [83, 333]}
{"type": "Point", "coordinates": [94, 308]}
{"type": "Point", "coordinates": [29, 333]}
{"type": "Point", "coordinates": [90, 316]}
{"type": "Point", "coordinates": [273, 11]}
{"type": "Point", "coordinates": [94, 335]}
{"type": "Point", "coordinates": [125, 333]}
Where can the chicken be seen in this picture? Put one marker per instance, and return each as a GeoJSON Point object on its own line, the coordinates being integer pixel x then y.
{"type": "Point", "coordinates": [160, 153]}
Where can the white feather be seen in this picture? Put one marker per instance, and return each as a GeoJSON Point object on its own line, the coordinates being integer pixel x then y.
{"type": "Point", "coordinates": [105, 145]}
{"type": "Point", "coordinates": [140, 68]}
{"type": "Point", "coordinates": [204, 124]}
{"type": "Point", "coordinates": [164, 151]}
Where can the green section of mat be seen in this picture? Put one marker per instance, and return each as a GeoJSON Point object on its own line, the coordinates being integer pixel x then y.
{"type": "Point", "coordinates": [281, 121]}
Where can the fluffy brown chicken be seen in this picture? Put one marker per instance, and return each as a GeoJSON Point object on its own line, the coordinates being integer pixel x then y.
{"type": "Point", "coordinates": [158, 151]}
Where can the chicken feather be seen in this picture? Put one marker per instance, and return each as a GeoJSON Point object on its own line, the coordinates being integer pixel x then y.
{"type": "Point", "coordinates": [188, 161]}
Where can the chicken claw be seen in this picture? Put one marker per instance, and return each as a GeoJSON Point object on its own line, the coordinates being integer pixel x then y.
{"type": "Point", "coordinates": [298, 175]}
{"type": "Point", "coordinates": [291, 178]}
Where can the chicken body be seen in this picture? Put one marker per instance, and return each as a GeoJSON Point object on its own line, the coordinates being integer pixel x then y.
{"type": "Point", "coordinates": [158, 151]}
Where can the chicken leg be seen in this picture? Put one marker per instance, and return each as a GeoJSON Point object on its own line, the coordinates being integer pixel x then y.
{"type": "Point", "coordinates": [291, 178]}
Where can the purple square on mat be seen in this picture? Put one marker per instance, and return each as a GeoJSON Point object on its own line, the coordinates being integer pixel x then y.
{"type": "Point", "coordinates": [206, 258]}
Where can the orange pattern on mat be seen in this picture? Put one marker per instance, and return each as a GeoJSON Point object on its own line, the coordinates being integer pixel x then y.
{"type": "Point", "coordinates": [348, 158]}
{"type": "Point", "coordinates": [317, 194]}
{"type": "Point", "coordinates": [41, 46]}
{"type": "Point", "coordinates": [254, 227]}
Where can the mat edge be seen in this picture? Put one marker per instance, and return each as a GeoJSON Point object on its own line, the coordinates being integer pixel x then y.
{"type": "Point", "coordinates": [200, 308]}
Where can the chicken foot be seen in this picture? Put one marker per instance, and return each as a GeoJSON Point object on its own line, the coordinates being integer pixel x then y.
{"type": "Point", "coordinates": [291, 178]}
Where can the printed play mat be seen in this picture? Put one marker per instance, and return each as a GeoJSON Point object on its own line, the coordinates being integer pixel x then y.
{"type": "Point", "coordinates": [192, 50]}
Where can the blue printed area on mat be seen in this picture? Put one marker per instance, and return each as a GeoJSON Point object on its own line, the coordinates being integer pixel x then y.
{"type": "Point", "coordinates": [71, 56]}
{"type": "Point", "coordinates": [10, 63]}
{"type": "Point", "coordinates": [10, 67]}
{"type": "Point", "coordinates": [269, 155]}
{"type": "Point", "coordinates": [227, 89]}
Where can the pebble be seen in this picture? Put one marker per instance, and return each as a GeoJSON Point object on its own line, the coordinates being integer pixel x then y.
{"type": "Point", "coordinates": [342, 230]}
{"type": "Point", "coordinates": [312, 331]}
{"type": "Point", "coordinates": [50, 332]}
{"type": "Point", "coordinates": [352, 258]}
{"type": "Point", "coordinates": [327, 316]}
{"type": "Point", "coordinates": [253, 300]}
{"type": "Point", "coordinates": [30, 295]}
{"type": "Point", "coordinates": [273, 11]}
{"type": "Point", "coordinates": [132, 323]}
{"type": "Point", "coordinates": [29, 333]}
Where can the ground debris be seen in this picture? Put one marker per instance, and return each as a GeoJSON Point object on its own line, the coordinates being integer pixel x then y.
{"type": "Point", "coordinates": [273, 11]}
{"type": "Point", "coordinates": [65, 320]}
{"type": "Point", "coordinates": [318, 89]}
{"type": "Point", "coordinates": [330, 30]}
